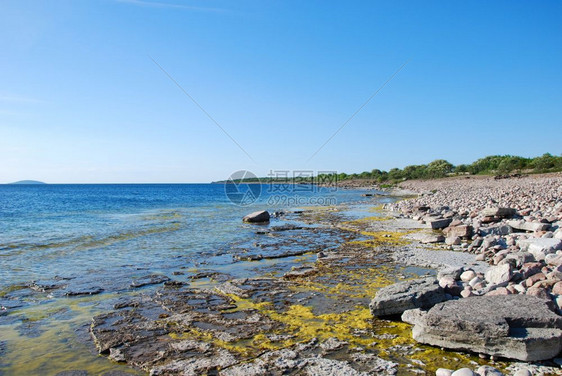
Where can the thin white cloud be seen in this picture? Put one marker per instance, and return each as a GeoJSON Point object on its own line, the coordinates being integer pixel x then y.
{"type": "Point", "coordinates": [156, 4]}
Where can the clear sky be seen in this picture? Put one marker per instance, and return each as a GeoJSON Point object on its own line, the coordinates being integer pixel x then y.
{"type": "Point", "coordinates": [82, 101]}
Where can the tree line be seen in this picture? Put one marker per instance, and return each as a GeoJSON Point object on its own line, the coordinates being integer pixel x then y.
{"type": "Point", "coordinates": [490, 165]}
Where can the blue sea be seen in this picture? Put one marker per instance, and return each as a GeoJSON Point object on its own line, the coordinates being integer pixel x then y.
{"type": "Point", "coordinates": [69, 231]}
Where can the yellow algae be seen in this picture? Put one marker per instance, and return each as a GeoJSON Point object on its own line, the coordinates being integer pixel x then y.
{"type": "Point", "coordinates": [5, 291]}
{"type": "Point", "coordinates": [54, 347]}
{"type": "Point", "coordinates": [379, 238]}
{"type": "Point", "coordinates": [377, 209]}
{"type": "Point", "coordinates": [367, 220]}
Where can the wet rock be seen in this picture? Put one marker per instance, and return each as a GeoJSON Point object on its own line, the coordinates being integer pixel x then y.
{"type": "Point", "coordinates": [84, 290]}
{"type": "Point", "coordinates": [45, 286]}
{"type": "Point", "coordinates": [300, 272]}
{"type": "Point", "coordinates": [513, 326]}
{"type": "Point", "coordinates": [257, 217]}
{"type": "Point", "coordinates": [151, 336]}
{"type": "Point", "coordinates": [418, 293]}
{"type": "Point", "coordinates": [6, 305]}
{"type": "Point", "coordinates": [153, 279]}
{"type": "Point", "coordinates": [72, 373]}
{"type": "Point", "coordinates": [287, 227]}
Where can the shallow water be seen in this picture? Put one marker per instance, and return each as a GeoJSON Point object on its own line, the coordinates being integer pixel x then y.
{"type": "Point", "coordinates": [63, 239]}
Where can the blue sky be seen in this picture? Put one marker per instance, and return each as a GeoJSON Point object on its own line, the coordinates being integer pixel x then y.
{"type": "Point", "coordinates": [82, 101]}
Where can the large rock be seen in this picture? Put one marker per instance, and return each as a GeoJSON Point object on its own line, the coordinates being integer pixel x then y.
{"type": "Point", "coordinates": [257, 217]}
{"type": "Point", "coordinates": [438, 223]}
{"type": "Point", "coordinates": [462, 231]}
{"type": "Point", "coordinates": [418, 293]}
{"type": "Point", "coordinates": [498, 212]}
{"type": "Point", "coordinates": [496, 230]}
{"type": "Point", "coordinates": [512, 326]}
{"type": "Point", "coordinates": [528, 226]}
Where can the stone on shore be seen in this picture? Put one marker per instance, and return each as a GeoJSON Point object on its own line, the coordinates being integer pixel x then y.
{"type": "Point", "coordinates": [462, 231]}
{"type": "Point", "coordinates": [528, 226]}
{"type": "Point", "coordinates": [513, 326]}
{"type": "Point", "coordinates": [397, 298]}
{"type": "Point", "coordinates": [540, 247]}
{"type": "Point", "coordinates": [257, 217]}
{"type": "Point", "coordinates": [498, 212]}
{"type": "Point", "coordinates": [498, 275]}
{"type": "Point", "coordinates": [438, 223]}
{"type": "Point", "coordinates": [432, 238]}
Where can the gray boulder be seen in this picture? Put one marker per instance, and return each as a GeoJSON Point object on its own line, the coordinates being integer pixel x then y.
{"type": "Point", "coordinates": [540, 247]}
{"type": "Point", "coordinates": [257, 217]}
{"type": "Point", "coordinates": [418, 293]}
{"type": "Point", "coordinates": [511, 326]}
{"type": "Point", "coordinates": [438, 223]}
{"type": "Point", "coordinates": [528, 226]}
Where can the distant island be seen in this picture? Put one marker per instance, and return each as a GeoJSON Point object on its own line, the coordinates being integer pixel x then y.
{"type": "Point", "coordinates": [23, 182]}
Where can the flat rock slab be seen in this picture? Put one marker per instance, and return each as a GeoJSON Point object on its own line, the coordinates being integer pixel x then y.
{"type": "Point", "coordinates": [540, 247]}
{"type": "Point", "coordinates": [397, 298]}
{"type": "Point", "coordinates": [528, 226]}
{"type": "Point", "coordinates": [498, 212]}
{"type": "Point", "coordinates": [153, 279]}
{"type": "Point", "coordinates": [168, 334]}
{"type": "Point", "coordinates": [512, 326]}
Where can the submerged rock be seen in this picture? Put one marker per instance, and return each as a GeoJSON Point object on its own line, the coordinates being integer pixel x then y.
{"type": "Point", "coordinates": [397, 298]}
{"type": "Point", "coordinates": [512, 326]}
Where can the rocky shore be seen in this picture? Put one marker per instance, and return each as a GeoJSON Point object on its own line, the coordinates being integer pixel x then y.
{"type": "Point", "coordinates": [510, 310]}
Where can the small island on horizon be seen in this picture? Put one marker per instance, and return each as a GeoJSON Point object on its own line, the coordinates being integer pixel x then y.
{"type": "Point", "coordinates": [28, 182]}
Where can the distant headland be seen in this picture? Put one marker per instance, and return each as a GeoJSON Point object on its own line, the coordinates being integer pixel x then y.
{"type": "Point", "coordinates": [28, 182]}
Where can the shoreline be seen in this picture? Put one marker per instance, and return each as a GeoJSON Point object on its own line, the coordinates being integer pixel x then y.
{"type": "Point", "coordinates": [312, 318]}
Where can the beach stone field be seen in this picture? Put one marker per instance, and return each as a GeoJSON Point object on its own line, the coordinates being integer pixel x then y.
{"type": "Point", "coordinates": [511, 309]}
{"type": "Point", "coordinates": [457, 277]}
